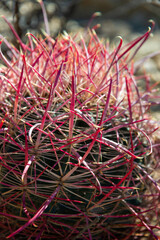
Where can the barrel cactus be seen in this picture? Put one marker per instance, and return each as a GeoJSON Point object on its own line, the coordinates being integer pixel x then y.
{"type": "Point", "coordinates": [76, 141]}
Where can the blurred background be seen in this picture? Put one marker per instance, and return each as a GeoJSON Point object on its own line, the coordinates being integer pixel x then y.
{"type": "Point", "coordinates": [125, 18]}
{"type": "Point", "coordinates": [119, 17]}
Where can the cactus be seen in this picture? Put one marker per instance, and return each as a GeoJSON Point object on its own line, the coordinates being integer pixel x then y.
{"type": "Point", "coordinates": [76, 151]}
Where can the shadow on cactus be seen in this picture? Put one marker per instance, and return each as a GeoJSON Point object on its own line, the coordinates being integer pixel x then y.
{"type": "Point", "coordinates": [75, 147]}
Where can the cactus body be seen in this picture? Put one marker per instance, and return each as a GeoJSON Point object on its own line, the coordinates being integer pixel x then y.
{"type": "Point", "coordinates": [74, 143]}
